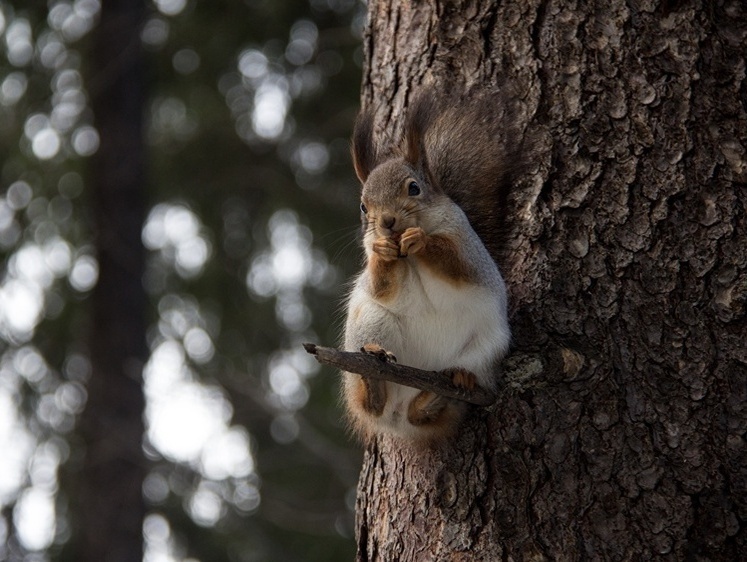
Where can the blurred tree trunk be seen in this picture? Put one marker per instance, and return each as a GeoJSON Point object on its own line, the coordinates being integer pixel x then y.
{"type": "Point", "coordinates": [109, 509]}
{"type": "Point", "coordinates": [621, 432]}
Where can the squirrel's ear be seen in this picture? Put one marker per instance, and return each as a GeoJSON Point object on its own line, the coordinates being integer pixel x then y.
{"type": "Point", "coordinates": [412, 144]}
{"type": "Point", "coordinates": [415, 125]}
{"type": "Point", "coordinates": [420, 116]}
{"type": "Point", "coordinates": [363, 148]}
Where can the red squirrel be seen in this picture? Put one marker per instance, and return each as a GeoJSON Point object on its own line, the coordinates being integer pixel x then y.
{"type": "Point", "coordinates": [430, 295]}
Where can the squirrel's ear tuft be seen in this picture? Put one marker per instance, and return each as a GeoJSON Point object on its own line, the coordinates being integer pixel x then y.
{"type": "Point", "coordinates": [412, 143]}
{"type": "Point", "coordinates": [363, 148]}
{"type": "Point", "coordinates": [415, 124]}
{"type": "Point", "coordinates": [420, 115]}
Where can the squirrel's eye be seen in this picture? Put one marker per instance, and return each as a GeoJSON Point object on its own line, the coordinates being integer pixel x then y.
{"type": "Point", "coordinates": [363, 209]}
{"type": "Point", "coordinates": [413, 189]}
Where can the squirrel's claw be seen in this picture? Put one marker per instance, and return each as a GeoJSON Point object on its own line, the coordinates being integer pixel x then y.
{"type": "Point", "coordinates": [462, 378]}
{"type": "Point", "coordinates": [380, 352]}
{"type": "Point", "coordinates": [386, 248]}
{"type": "Point", "coordinates": [412, 241]}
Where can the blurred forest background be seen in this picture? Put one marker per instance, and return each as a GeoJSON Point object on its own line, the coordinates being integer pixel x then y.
{"type": "Point", "coordinates": [246, 109]}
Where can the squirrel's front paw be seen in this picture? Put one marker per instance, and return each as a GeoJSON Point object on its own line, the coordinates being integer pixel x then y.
{"type": "Point", "coordinates": [380, 352]}
{"type": "Point", "coordinates": [386, 248]}
{"type": "Point", "coordinates": [462, 378]}
{"type": "Point", "coordinates": [412, 241]}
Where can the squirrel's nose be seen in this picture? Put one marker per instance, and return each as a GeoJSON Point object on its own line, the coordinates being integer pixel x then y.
{"type": "Point", "coordinates": [387, 221]}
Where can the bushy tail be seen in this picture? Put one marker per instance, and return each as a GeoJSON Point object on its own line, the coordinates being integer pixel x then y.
{"type": "Point", "coordinates": [472, 151]}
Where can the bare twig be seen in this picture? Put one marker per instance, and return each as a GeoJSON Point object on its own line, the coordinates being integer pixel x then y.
{"type": "Point", "coordinates": [368, 365]}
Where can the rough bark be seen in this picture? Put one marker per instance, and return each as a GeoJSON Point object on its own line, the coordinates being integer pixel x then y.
{"type": "Point", "coordinates": [626, 262]}
{"type": "Point", "coordinates": [108, 506]}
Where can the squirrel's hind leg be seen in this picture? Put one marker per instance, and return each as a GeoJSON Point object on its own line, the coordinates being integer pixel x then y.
{"type": "Point", "coordinates": [426, 408]}
{"type": "Point", "coordinates": [435, 416]}
{"type": "Point", "coordinates": [370, 394]}
{"type": "Point", "coordinates": [366, 399]}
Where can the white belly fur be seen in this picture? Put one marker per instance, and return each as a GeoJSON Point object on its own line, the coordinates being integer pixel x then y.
{"type": "Point", "coordinates": [446, 325]}
{"type": "Point", "coordinates": [432, 324]}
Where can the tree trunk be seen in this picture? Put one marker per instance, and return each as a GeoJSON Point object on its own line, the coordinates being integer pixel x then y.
{"type": "Point", "coordinates": [109, 507]}
{"type": "Point", "coordinates": [620, 433]}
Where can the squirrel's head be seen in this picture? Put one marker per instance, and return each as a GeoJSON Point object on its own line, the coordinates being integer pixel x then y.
{"type": "Point", "coordinates": [397, 188]}
{"type": "Point", "coordinates": [394, 197]}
